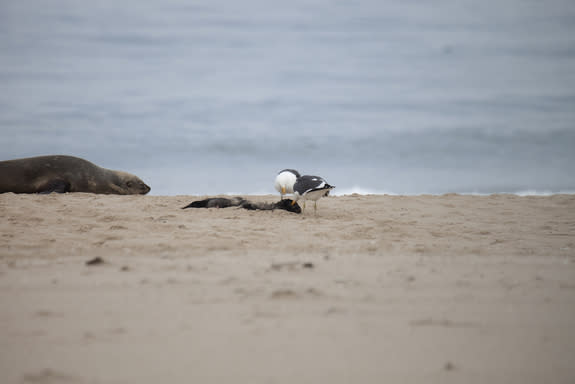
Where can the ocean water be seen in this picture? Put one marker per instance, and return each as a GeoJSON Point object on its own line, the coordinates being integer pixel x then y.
{"type": "Point", "coordinates": [209, 97]}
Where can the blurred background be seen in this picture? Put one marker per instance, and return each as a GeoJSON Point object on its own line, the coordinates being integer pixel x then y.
{"type": "Point", "coordinates": [209, 97]}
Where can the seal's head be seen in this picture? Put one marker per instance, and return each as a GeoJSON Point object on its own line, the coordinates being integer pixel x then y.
{"type": "Point", "coordinates": [137, 187]}
{"type": "Point", "coordinates": [288, 205]}
{"type": "Point", "coordinates": [128, 184]}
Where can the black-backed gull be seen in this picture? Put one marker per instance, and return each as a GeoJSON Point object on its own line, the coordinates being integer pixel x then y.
{"type": "Point", "coordinates": [285, 181]}
{"type": "Point", "coordinates": [311, 188]}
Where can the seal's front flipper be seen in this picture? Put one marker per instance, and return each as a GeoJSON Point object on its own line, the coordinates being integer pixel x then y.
{"type": "Point", "coordinates": [57, 186]}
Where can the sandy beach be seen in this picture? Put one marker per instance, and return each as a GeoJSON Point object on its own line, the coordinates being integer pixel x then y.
{"type": "Point", "coordinates": [374, 289]}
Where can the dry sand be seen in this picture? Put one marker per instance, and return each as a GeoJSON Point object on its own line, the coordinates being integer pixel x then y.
{"type": "Point", "coordinates": [375, 289]}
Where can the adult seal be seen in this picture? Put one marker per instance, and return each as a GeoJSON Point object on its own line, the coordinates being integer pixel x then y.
{"type": "Point", "coordinates": [46, 174]}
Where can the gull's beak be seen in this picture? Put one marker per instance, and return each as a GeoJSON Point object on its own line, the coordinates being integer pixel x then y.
{"type": "Point", "coordinates": [293, 202]}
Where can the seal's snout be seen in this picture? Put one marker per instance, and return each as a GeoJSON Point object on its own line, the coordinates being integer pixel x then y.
{"type": "Point", "coordinates": [144, 188]}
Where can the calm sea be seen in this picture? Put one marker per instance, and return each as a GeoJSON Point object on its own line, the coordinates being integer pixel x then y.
{"type": "Point", "coordinates": [209, 97]}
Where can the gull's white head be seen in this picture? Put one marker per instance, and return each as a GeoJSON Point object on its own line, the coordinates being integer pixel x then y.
{"type": "Point", "coordinates": [285, 180]}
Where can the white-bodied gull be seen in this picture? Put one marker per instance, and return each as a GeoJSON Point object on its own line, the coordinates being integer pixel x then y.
{"type": "Point", "coordinates": [311, 188]}
{"type": "Point", "coordinates": [285, 181]}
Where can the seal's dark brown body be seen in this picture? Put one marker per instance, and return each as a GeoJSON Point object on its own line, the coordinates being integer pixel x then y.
{"type": "Point", "coordinates": [58, 173]}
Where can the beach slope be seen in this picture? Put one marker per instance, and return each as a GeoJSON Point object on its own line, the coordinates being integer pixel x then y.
{"type": "Point", "coordinates": [418, 289]}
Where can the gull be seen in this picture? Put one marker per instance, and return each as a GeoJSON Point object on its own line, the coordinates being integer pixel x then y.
{"type": "Point", "coordinates": [311, 188]}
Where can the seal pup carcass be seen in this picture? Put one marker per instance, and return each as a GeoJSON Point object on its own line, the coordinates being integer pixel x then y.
{"type": "Point", "coordinates": [59, 173]}
{"type": "Point", "coordinates": [223, 202]}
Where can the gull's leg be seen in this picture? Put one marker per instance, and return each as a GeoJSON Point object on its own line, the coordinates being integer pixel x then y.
{"type": "Point", "coordinates": [315, 208]}
{"type": "Point", "coordinates": [283, 192]}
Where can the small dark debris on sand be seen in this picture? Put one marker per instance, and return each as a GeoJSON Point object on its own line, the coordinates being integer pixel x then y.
{"type": "Point", "coordinates": [95, 261]}
{"type": "Point", "coordinates": [291, 266]}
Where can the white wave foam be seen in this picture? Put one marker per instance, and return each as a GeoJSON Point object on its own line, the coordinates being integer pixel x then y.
{"type": "Point", "coordinates": [542, 193]}
{"type": "Point", "coordinates": [359, 191]}
{"type": "Point", "coordinates": [366, 191]}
